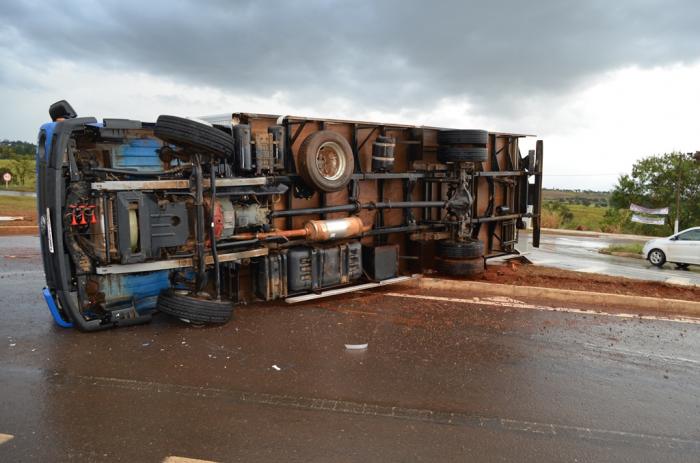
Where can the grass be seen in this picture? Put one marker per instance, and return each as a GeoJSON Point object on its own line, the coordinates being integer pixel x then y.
{"type": "Point", "coordinates": [18, 206]}
{"type": "Point", "coordinates": [587, 218]}
{"type": "Point", "coordinates": [631, 248]}
{"type": "Point", "coordinates": [30, 180]}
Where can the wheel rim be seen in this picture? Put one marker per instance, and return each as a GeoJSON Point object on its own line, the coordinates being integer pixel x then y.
{"type": "Point", "coordinates": [330, 161]}
{"type": "Point", "coordinates": [655, 257]}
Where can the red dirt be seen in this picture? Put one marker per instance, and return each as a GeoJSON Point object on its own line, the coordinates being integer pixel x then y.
{"type": "Point", "coordinates": [530, 275]}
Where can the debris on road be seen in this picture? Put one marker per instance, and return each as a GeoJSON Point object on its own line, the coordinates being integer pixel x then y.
{"type": "Point", "coordinates": [356, 346]}
{"type": "Point", "coordinates": [276, 368]}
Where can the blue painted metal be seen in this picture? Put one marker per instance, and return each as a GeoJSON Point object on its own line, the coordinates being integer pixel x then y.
{"type": "Point", "coordinates": [54, 310]}
{"type": "Point", "coordinates": [140, 288]}
{"type": "Point", "coordinates": [140, 154]}
{"type": "Point", "coordinates": [48, 128]}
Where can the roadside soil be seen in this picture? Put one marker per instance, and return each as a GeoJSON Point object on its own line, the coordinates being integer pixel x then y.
{"type": "Point", "coordinates": [515, 273]}
{"type": "Point", "coordinates": [18, 207]}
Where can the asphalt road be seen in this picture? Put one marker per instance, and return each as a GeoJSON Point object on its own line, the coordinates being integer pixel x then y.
{"type": "Point", "coordinates": [440, 381]}
{"type": "Point", "coordinates": [580, 253]}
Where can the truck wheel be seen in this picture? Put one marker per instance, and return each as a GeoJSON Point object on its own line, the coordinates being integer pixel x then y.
{"type": "Point", "coordinates": [460, 267]}
{"type": "Point", "coordinates": [193, 309]}
{"type": "Point", "coordinates": [657, 257]}
{"type": "Point", "coordinates": [195, 136]}
{"type": "Point", "coordinates": [457, 137]}
{"type": "Point", "coordinates": [325, 161]}
{"type": "Point", "coordinates": [459, 249]}
{"type": "Point", "coordinates": [460, 154]}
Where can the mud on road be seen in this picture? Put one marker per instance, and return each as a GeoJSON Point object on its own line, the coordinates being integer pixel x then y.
{"type": "Point", "coordinates": [440, 381]}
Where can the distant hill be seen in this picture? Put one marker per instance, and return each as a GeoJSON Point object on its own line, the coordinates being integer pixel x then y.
{"type": "Point", "coordinates": [583, 197]}
{"type": "Point", "coordinates": [10, 148]}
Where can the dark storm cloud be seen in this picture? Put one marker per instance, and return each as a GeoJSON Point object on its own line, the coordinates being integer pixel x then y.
{"type": "Point", "coordinates": [383, 54]}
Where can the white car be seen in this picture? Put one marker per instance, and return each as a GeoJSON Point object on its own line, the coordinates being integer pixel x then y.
{"type": "Point", "coordinates": [682, 249]}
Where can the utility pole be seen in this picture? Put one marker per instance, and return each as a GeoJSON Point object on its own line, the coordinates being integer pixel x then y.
{"type": "Point", "coordinates": [678, 193]}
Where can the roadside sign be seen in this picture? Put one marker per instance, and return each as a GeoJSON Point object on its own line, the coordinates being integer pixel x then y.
{"type": "Point", "coordinates": [7, 177]}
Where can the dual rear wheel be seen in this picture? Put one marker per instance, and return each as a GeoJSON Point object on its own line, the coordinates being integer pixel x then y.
{"type": "Point", "coordinates": [460, 258]}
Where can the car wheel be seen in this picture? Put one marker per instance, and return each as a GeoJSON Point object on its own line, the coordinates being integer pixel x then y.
{"type": "Point", "coordinates": [194, 310]}
{"type": "Point", "coordinates": [326, 161]}
{"type": "Point", "coordinates": [657, 257]}
{"type": "Point", "coordinates": [194, 136]}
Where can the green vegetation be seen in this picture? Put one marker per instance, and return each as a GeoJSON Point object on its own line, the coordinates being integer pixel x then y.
{"type": "Point", "coordinates": [582, 197]}
{"type": "Point", "coordinates": [653, 183]}
{"type": "Point", "coordinates": [17, 158]}
{"type": "Point", "coordinates": [17, 205]}
{"type": "Point", "coordinates": [631, 248]}
{"type": "Point", "coordinates": [557, 214]}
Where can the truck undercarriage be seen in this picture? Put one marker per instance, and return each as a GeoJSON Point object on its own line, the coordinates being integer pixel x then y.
{"type": "Point", "coordinates": [191, 217]}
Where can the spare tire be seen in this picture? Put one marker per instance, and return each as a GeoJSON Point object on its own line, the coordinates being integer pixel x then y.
{"type": "Point", "coordinates": [194, 136]}
{"type": "Point", "coordinates": [460, 154]}
{"type": "Point", "coordinates": [460, 267]}
{"type": "Point", "coordinates": [326, 162]}
{"type": "Point", "coordinates": [192, 309]}
{"type": "Point", "coordinates": [457, 137]}
{"type": "Point", "coordinates": [459, 249]}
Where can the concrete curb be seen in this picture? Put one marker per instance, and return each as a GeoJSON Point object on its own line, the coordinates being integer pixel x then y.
{"type": "Point", "coordinates": [675, 306]}
{"type": "Point", "coordinates": [595, 234]}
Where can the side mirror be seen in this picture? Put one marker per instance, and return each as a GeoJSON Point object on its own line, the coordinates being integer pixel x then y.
{"type": "Point", "coordinates": [62, 110]}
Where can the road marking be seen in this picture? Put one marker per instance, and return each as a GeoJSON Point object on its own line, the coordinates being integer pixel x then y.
{"type": "Point", "coordinates": [516, 304]}
{"type": "Point", "coordinates": [5, 438]}
{"type": "Point", "coordinates": [679, 281]}
{"type": "Point", "coordinates": [452, 418]}
{"type": "Point", "coordinates": [596, 269]}
{"type": "Point", "coordinates": [185, 460]}
{"type": "Point", "coordinates": [640, 354]}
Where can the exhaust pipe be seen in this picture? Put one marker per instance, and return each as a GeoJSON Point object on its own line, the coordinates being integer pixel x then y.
{"type": "Point", "coordinates": [316, 230]}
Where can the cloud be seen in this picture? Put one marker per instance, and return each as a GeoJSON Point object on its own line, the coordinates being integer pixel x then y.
{"type": "Point", "coordinates": [390, 54]}
{"type": "Point", "coordinates": [603, 83]}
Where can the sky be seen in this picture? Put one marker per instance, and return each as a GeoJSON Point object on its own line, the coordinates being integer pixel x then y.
{"type": "Point", "coordinates": [602, 83]}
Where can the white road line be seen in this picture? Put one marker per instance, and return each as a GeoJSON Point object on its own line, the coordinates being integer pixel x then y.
{"type": "Point", "coordinates": [596, 269]}
{"type": "Point", "coordinates": [679, 281]}
{"type": "Point", "coordinates": [645, 355]}
{"type": "Point", "coordinates": [5, 438]}
{"type": "Point", "coordinates": [516, 304]}
{"type": "Point", "coordinates": [185, 460]}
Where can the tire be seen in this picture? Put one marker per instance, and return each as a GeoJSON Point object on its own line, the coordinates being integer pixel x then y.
{"type": "Point", "coordinates": [657, 257]}
{"type": "Point", "coordinates": [326, 162]}
{"type": "Point", "coordinates": [195, 136]}
{"type": "Point", "coordinates": [460, 267]}
{"type": "Point", "coordinates": [457, 137]}
{"type": "Point", "coordinates": [459, 249]}
{"type": "Point", "coordinates": [460, 154]}
{"type": "Point", "coordinates": [194, 310]}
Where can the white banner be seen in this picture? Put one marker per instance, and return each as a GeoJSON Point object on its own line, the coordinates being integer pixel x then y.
{"type": "Point", "coordinates": [646, 210]}
{"type": "Point", "coordinates": [648, 220]}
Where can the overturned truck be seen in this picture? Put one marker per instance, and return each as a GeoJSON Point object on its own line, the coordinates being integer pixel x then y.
{"type": "Point", "coordinates": [191, 217]}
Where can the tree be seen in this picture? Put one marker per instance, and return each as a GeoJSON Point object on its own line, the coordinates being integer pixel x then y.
{"type": "Point", "coordinates": [22, 167]}
{"type": "Point", "coordinates": [653, 183]}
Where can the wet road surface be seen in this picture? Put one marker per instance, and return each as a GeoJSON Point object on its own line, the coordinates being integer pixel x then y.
{"type": "Point", "coordinates": [580, 253]}
{"type": "Point", "coordinates": [440, 381]}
